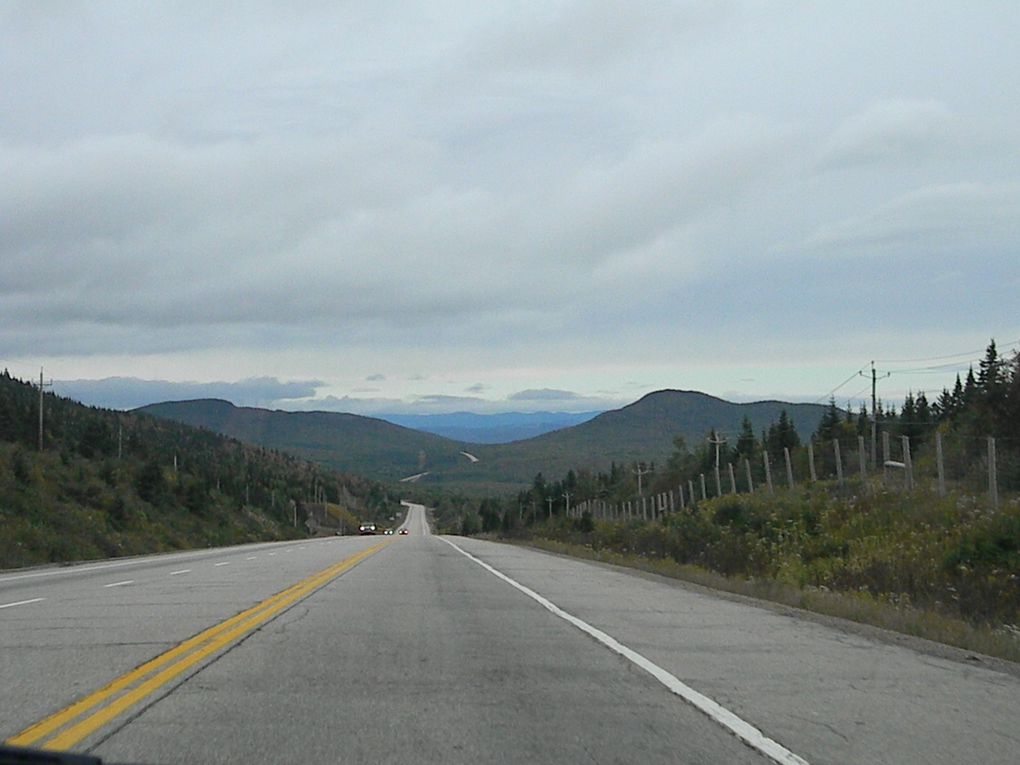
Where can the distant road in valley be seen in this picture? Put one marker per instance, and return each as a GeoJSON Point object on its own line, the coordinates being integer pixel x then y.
{"type": "Point", "coordinates": [425, 648]}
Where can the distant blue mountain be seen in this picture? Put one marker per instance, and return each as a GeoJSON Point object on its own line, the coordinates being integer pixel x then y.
{"type": "Point", "coordinates": [489, 428]}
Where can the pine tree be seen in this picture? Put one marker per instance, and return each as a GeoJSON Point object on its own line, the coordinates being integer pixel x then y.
{"type": "Point", "coordinates": [746, 443]}
{"type": "Point", "coordinates": [863, 423]}
{"type": "Point", "coordinates": [970, 389]}
{"type": "Point", "coordinates": [829, 427]}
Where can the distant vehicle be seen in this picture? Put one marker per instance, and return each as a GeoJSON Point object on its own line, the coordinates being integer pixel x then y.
{"type": "Point", "coordinates": [388, 532]}
{"type": "Point", "coordinates": [404, 532]}
{"type": "Point", "coordinates": [366, 528]}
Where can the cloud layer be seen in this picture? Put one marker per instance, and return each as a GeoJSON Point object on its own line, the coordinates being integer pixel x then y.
{"type": "Point", "coordinates": [498, 199]}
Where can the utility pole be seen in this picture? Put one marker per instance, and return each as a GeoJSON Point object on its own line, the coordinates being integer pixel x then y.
{"type": "Point", "coordinates": [640, 471]}
{"type": "Point", "coordinates": [42, 385]}
{"type": "Point", "coordinates": [874, 412]}
{"type": "Point", "coordinates": [715, 439]}
{"type": "Point", "coordinates": [566, 496]}
{"type": "Point", "coordinates": [718, 442]}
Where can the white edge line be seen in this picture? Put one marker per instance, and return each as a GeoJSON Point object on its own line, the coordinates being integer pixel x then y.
{"type": "Point", "coordinates": [22, 603]}
{"type": "Point", "coordinates": [221, 563]}
{"type": "Point", "coordinates": [746, 732]}
{"type": "Point", "coordinates": [120, 584]}
{"type": "Point", "coordinates": [181, 571]}
{"type": "Point", "coordinates": [8, 576]}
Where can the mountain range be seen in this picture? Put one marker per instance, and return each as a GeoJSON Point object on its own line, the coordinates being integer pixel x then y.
{"type": "Point", "coordinates": [499, 428]}
{"type": "Point", "coordinates": [374, 448]}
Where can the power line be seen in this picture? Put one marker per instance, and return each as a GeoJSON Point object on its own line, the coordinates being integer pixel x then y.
{"type": "Point", "coordinates": [845, 382]}
{"type": "Point", "coordinates": [1007, 347]}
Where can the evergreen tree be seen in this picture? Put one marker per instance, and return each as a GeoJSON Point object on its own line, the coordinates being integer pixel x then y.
{"type": "Point", "coordinates": [863, 423]}
{"type": "Point", "coordinates": [970, 389]}
{"type": "Point", "coordinates": [747, 446]}
{"type": "Point", "coordinates": [829, 427]}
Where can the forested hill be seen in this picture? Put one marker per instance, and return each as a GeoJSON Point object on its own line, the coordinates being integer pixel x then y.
{"type": "Point", "coordinates": [642, 431]}
{"type": "Point", "coordinates": [113, 483]}
{"type": "Point", "coordinates": [349, 442]}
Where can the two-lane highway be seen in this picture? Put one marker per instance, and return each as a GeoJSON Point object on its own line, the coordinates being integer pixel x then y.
{"type": "Point", "coordinates": [441, 649]}
{"type": "Point", "coordinates": [66, 631]}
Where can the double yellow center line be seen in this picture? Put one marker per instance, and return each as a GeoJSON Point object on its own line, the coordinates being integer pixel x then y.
{"type": "Point", "coordinates": [68, 727]}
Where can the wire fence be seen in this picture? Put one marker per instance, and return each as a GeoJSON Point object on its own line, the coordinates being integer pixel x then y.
{"type": "Point", "coordinates": [928, 460]}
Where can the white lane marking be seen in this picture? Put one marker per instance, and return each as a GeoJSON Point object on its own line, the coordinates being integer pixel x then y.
{"type": "Point", "coordinates": [251, 557]}
{"type": "Point", "coordinates": [272, 553]}
{"type": "Point", "coordinates": [22, 603]}
{"type": "Point", "coordinates": [222, 563]}
{"type": "Point", "coordinates": [120, 584]}
{"type": "Point", "coordinates": [71, 570]}
{"type": "Point", "coordinates": [180, 571]}
{"type": "Point", "coordinates": [301, 547]}
{"type": "Point", "coordinates": [746, 732]}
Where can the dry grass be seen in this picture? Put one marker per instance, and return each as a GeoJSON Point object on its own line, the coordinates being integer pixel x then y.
{"type": "Point", "coordinates": [860, 607]}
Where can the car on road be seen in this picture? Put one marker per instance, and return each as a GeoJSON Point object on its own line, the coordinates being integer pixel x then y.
{"type": "Point", "coordinates": [404, 532]}
{"type": "Point", "coordinates": [366, 528]}
{"type": "Point", "coordinates": [388, 532]}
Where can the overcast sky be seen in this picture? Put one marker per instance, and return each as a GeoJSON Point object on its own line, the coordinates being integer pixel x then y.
{"type": "Point", "coordinates": [394, 206]}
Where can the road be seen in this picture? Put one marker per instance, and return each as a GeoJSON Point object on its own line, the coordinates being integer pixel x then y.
{"type": "Point", "coordinates": [443, 649]}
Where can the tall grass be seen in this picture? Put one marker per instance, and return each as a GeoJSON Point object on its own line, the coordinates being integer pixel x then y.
{"type": "Point", "coordinates": [945, 568]}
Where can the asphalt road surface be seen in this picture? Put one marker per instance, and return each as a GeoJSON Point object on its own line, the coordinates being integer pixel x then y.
{"type": "Point", "coordinates": [422, 648]}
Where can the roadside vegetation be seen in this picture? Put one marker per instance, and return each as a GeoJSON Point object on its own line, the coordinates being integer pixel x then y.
{"type": "Point", "coordinates": [942, 565]}
{"type": "Point", "coordinates": [113, 483]}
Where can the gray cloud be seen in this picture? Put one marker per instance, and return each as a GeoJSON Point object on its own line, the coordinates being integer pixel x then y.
{"type": "Point", "coordinates": [891, 131]}
{"type": "Point", "coordinates": [130, 393]}
{"type": "Point", "coordinates": [540, 188]}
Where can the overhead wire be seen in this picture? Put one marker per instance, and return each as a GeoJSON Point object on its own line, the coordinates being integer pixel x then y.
{"type": "Point", "coordinates": [1007, 346]}
{"type": "Point", "coordinates": [845, 382]}
{"type": "Point", "coordinates": [963, 361]}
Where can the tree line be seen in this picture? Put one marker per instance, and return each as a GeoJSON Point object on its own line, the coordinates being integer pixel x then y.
{"type": "Point", "coordinates": [985, 402]}
{"type": "Point", "coordinates": [109, 483]}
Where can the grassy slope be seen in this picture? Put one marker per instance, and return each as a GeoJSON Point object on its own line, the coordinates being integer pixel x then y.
{"type": "Point", "coordinates": [943, 568]}
{"type": "Point", "coordinates": [172, 486]}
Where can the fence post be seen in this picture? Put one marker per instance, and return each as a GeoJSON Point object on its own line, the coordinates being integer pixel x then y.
{"type": "Point", "coordinates": [839, 461]}
{"type": "Point", "coordinates": [993, 480]}
{"type": "Point", "coordinates": [680, 496]}
{"type": "Point", "coordinates": [908, 466]}
{"type": "Point", "coordinates": [885, 450]}
{"type": "Point", "coordinates": [733, 479]}
{"type": "Point", "coordinates": [939, 463]}
{"type": "Point", "coordinates": [789, 467]}
{"type": "Point", "coordinates": [811, 461]}
{"type": "Point", "coordinates": [691, 494]}
{"type": "Point", "coordinates": [768, 470]}
{"type": "Point", "coordinates": [750, 481]}
{"type": "Point", "coordinates": [704, 492]}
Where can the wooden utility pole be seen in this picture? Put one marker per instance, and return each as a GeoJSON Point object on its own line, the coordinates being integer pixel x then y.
{"type": "Point", "coordinates": [874, 412]}
{"type": "Point", "coordinates": [640, 471]}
